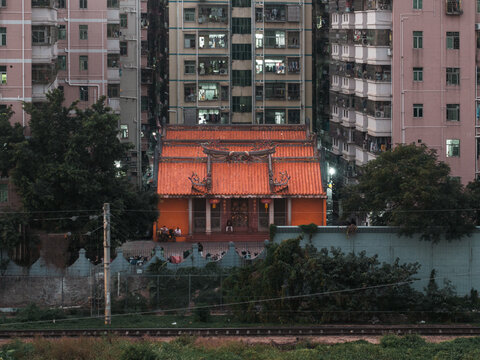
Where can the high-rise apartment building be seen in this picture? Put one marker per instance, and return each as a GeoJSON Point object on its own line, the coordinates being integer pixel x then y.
{"type": "Point", "coordinates": [240, 62]}
{"type": "Point", "coordinates": [405, 72]}
{"type": "Point", "coordinates": [87, 48]}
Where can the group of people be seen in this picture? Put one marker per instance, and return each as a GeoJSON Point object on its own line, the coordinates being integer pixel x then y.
{"type": "Point", "coordinates": [166, 234]}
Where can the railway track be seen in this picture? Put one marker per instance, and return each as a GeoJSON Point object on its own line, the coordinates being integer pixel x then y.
{"type": "Point", "coordinates": [326, 330]}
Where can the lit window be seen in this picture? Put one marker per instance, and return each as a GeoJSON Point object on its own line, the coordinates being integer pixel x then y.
{"type": "Point", "coordinates": [3, 74]}
{"type": "Point", "coordinates": [124, 131]}
{"type": "Point", "coordinates": [453, 148]}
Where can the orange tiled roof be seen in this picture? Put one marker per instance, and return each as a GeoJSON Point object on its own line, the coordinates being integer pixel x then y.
{"type": "Point", "coordinates": [240, 179]}
{"type": "Point", "coordinates": [173, 178]}
{"type": "Point", "coordinates": [197, 151]}
{"type": "Point", "coordinates": [237, 134]}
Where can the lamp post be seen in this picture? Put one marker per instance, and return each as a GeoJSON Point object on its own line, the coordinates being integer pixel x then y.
{"type": "Point", "coordinates": [330, 172]}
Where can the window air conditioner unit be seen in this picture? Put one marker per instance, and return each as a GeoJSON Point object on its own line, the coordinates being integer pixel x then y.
{"type": "Point", "coordinates": [477, 26]}
{"type": "Point", "coordinates": [379, 114]}
{"type": "Point", "coordinates": [223, 71]}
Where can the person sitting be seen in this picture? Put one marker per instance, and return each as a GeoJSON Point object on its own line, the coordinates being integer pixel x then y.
{"type": "Point", "coordinates": [229, 227]}
{"type": "Point", "coordinates": [177, 232]}
{"type": "Point", "coordinates": [171, 235]}
{"type": "Point", "coordinates": [164, 233]}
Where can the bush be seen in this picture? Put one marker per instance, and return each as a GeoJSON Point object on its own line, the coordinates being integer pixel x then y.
{"type": "Point", "coordinates": [202, 314]}
{"type": "Point", "coordinates": [34, 313]}
{"type": "Point", "coordinates": [407, 341]}
{"type": "Point", "coordinates": [141, 351]}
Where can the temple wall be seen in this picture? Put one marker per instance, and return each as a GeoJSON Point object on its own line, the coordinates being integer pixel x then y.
{"type": "Point", "coordinates": [307, 211]}
{"type": "Point", "coordinates": [173, 213]}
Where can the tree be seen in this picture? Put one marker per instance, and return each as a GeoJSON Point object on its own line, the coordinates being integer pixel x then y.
{"type": "Point", "coordinates": [473, 195]}
{"type": "Point", "coordinates": [9, 136]}
{"type": "Point", "coordinates": [408, 187]}
{"type": "Point", "coordinates": [70, 163]}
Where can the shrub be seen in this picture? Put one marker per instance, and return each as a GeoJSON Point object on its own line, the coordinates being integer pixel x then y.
{"type": "Point", "coordinates": [202, 314]}
{"type": "Point", "coordinates": [140, 351]}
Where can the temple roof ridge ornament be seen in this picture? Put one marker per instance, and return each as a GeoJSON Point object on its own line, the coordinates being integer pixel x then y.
{"type": "Point", "coordinates": [223, 153]}
{"type": "Point", "coordinates": [202, 186]}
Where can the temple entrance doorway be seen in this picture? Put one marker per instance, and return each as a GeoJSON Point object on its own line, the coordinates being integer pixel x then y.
{"type": "Point", "coordinates": [239, 214]}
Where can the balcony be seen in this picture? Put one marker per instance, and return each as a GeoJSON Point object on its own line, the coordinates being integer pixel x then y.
{"type": "Point", "coordinates": [360, 19]}
{"type": "Point", "coordinates": [44, 15]}
{"type": "Point", "coordinates": [113, 16]}
{"type": "Point", "coordinates": [348, 118]}
{"type": "Point", "coordinates": [348, 21]}
{"type": "Point", "coordinates": [348, 85]}
{"type": "Point", "coordinates": [335, 22]}
{"type": "Point", "coordinates": [371, 156]}
{"type": "Point", "coordinates": [379, 19]}
{"type": "Point", "coordinates": [379, 91]}
{"type": "Point", "coordinates": [348, 152]}
{"type": "Point", "coordinates": [39, 91]}
{"type": "Point", "coordinates": [379, 55]}
{"type": "Point", "coordinates": [336, 51]}
{"type": "Point", "coordinates": [113, 45]}
{"type": "Point", "coordinates": [453, 7]}
{"type": "Point", "coordinates": [113, 74]}
{"type": "Point", "coordinates": [379, 126]}
{"type": "Point", "coordinates": [334, 117]}
{"type": "Point", "coordinates": [361, 87]}
{"type": "Point", "coordinates": [361, 53]}
{"type": "Point", "coordinates": [114, 103]}
{"type": "Point", "coordinates": [361, 156]}
{"type": "Point", "coordinates": [361, 121]}
{"type": "Point", "coordinates": [44, 53]}
{"type": "Point", "coordinates": [336, 148]}
{"type": "Point", "coordinates": [348, 53]}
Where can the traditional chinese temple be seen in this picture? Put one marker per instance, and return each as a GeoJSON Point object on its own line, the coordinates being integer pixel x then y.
{"type": "Point", "coordinates": [210, 178]}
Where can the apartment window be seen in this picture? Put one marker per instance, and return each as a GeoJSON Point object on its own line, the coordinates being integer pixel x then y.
{"type": "Point", "coordinates": [258, 40]}
{"type": "Point", "coordinates": [241, 51]}
{"type": "Point", "coordinates": [453, 40]}
{"type": "Point", "coordinates": [144, 103]}
{"type": "Point", "coordinates": [3, 3]}
{"type": "Point", "coordinates": [418, 39]}
{"type": "Point", "coordinates": [83, 4]}
{"type": "Point", "coordinates": [113, 90]}
{"type": "Point", "coordinates": [62, 32]}
{"type": "Point", "coordinates": [417, 110]}
{"type": "Point", "coordinates": [189, 41]}
{"type": "Point", "coordinates": [3, 36]}
{"type": "Point", "coordinates": [83, 62]}
{"type": "Point", "coordinates": [212, 66]}
{"type": "Point", "coordinates": [453, 147]}
{"type": "Point", "coordinates": [241, 25]}
{"type": "Point", "coordinates": [294, 39]}
{"type": "Point", "coordinates": [40, 35]}
{"type": "Point", "coordinates": [293, 91]}
{"type": "Point", "coordinates": [113, 31]}
{"type": "Point", "coordinates": [241, 77]}
{"type": "Point", "coordinates": [208, 91]}
{"type": "Point", "coordinates": [61, 4]}
{"type": "Point", "coordinates": [418, 4]}
{"type": "Point", "coordinates": [212, 41]}
{"type": "Point", "coordinates": [62, 62]}
{"type": "Point", "coordinates": [241, 3]}
{"type": "Point", "coordinates": [275, 39]}
{"type": "Point", "coordinates": [124, 131]}
{"type": "Point", "coordinates": [275, 91]}
{"type": "Point", "coordinates": [3, 74]}
{"type": "Point", "coordinates": [258, 14]}
{"type": "Point", "coordinates": [123, 21]}
{"type": "Point", "coordinates": [112, 4]}
{"type": "Point", "coordinates": [123, 48]}
{"type": "Point", "coordinates": [453, 76]}
{"type": "Point", "coordinates": [241, 104]}
{"type": "Point", "coordinates": [294, 116]}
{"type": "Point", "coordinates": [224, 93]}
{"type": "Point", "coordinates": [113, 60]}
{"type": "Point", "coordinates": [189, 67]}
{"type": "Point", "coordinates": [275, 116]}
{"type": "Point", "coordinates": [83, 31]}
{"type": "Point", "coordinates": [417, 74]}
{"type": "Point", "coordinates": [212, 14]}
{"type": "Point", "coordinates": [275, 65]}
{"type": "Point", "coordinates": [189, 91]}
{"type": "Point", "coordinates": [83, 93]}
{"type": "Point", "coordinates": [293, 64]}
{"type": "Point", "coordinates": [259, 92]}
{"type": "Point", "coordinates": [3, 193]}
{"type": "Point", "coordinates": [189, 14]}
{"type": "Point", "coordinates": [275, 12]}
{"type": "Point", "coordinates": [453, 112]}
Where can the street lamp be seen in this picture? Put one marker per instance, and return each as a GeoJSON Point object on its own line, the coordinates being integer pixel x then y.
{"type": "Point", "coordinates": [331, 171]}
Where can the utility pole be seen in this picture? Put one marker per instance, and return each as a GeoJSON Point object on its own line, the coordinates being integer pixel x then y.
{"type": "Point", "coordinates": [106, 262]}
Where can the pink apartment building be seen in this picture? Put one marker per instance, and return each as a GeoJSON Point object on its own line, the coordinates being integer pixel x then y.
{"type": "Point", "coordinates": [88, 48]}
{"type": "Point", "coordinates": [435, 86]}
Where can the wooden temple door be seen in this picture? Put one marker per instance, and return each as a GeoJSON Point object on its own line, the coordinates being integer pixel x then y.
{"type": "Point", "coordinates": [239, 213]}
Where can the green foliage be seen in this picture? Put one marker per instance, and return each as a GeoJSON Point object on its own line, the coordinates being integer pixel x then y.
{"type": "Point", "coordinates": [310, 229]}
{"type": "Point", "coordinates": [131, 303]}
{"type": "Point", "coordinates": [10, 236]}
{"type": "Point", "coordinates": [9, 137]}
{"type": "Point", "coordinates": [473, 195]}
{"type": "Point", "coordinates": [408, 187]}
{"type": "Point", "coordinates": [140, 351]}
{"type": "Point", "coordinates": [68, 163]}
{"type": "Point", "coordinates": [33, 313]}
{"type": "Point", "coordinates": [202, 313]}
{"type": "Point", "coordinates": [407, 341]}
{"type": "Point", "coordinates": [273, 231]}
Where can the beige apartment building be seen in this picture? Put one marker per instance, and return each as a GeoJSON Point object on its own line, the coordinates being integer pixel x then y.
{"type": "Point", "coordinates": [240, 62]}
